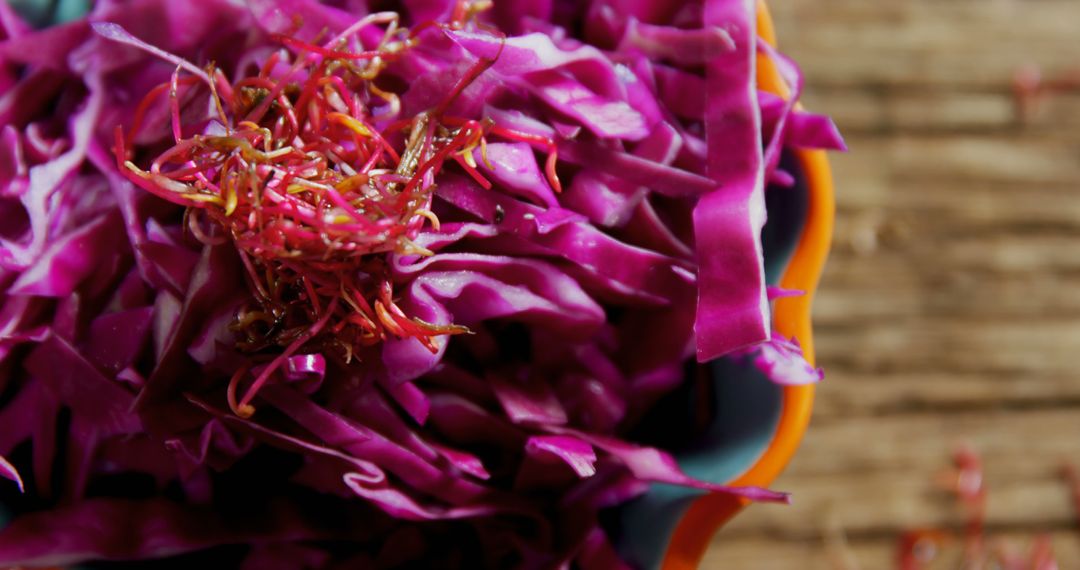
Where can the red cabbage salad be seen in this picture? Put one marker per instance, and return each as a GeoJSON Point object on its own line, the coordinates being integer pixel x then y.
{"type": "Point", "coordinates": [372, 284]}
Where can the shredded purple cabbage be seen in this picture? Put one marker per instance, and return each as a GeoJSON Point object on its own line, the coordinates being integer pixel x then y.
{"type": "Point", "coordinates": [498, 448]}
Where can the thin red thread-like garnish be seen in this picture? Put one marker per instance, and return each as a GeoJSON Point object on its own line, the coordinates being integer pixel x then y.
{"type": "Point", "coordinates": [919, 547]}
{"type": "Point", "coordinates": [916, 548]}
{"type": "Point", "coordinates": [230, 392]}
{"type": "Point", "coordinates": [1072, 479]}
{"type": "Point", "coordinates": [244, 408]}
{"type": "Point", "coordinates": [970, 488]}
{"type": "Point", "coordinates": [312, 192]}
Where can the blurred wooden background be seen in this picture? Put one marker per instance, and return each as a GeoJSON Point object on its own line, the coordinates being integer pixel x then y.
{"type": "Point", "coordinates": [950, 308]}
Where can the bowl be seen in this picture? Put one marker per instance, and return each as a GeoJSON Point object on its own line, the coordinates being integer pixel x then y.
{"type": "Point", "coordinates": [757, 425]}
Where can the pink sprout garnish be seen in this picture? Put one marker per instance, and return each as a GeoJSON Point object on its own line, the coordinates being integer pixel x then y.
{"type": "Point", "coordinates": [297, 174]}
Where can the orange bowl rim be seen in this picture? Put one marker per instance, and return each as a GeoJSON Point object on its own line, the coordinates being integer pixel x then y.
{"type": "Point", "coordinates": [791, 317]}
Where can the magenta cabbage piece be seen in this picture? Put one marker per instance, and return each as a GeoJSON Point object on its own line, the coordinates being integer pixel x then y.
{"type": "Point", "coordinates": [782, 361]}
{"type": "Point", "coordinates": [9, 472]}
{"type": "Point", "coordinates": [500, 449]}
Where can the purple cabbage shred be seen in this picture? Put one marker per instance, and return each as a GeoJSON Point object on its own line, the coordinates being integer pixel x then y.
{"type": "Point", "coordinates": [464, 397]}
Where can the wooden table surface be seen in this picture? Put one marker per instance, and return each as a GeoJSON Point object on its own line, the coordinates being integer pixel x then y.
{"type": "Point", "coordinates": [950, 308]}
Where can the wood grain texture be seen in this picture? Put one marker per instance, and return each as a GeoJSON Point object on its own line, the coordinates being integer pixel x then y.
{"type": "Point", "coordinates": [950, 308]}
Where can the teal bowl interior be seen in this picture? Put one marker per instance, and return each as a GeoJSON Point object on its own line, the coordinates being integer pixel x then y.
{"type": "Point", "coordinates": [745, 408]}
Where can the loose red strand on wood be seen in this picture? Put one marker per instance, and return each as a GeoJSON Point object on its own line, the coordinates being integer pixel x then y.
{"type": "Point", "coordinates": [918, 548]}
